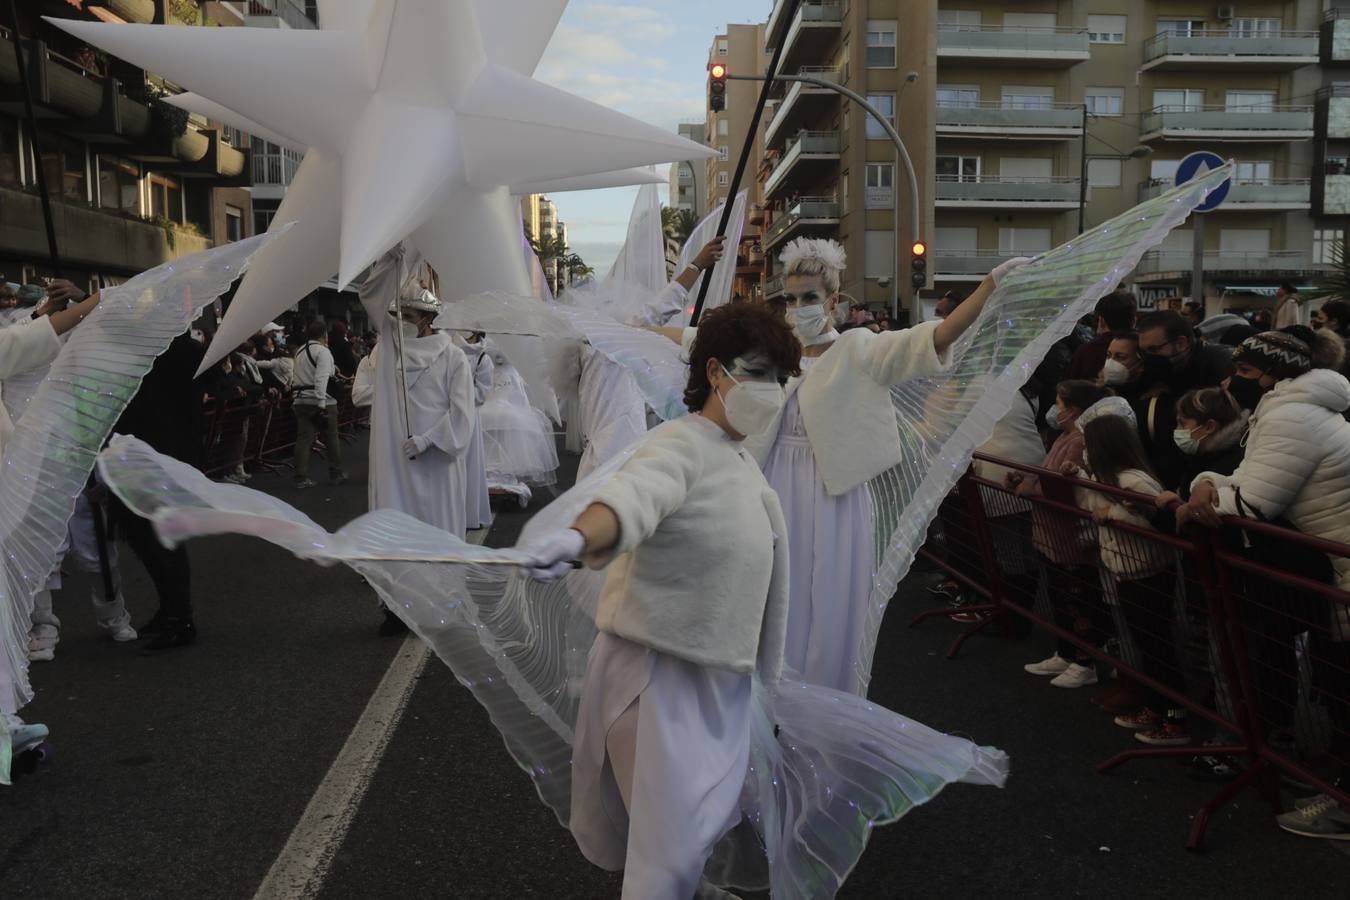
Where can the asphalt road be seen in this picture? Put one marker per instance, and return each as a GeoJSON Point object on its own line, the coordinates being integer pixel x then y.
{"type": "Point", "coordinates": [183, 775]}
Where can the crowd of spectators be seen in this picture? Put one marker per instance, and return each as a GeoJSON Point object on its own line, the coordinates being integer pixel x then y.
{"type": "Point", "coordinates": [1196, 428]}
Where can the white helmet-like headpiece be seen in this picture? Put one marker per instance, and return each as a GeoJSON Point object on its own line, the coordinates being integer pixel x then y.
{"type": "Point", "coordinates": [423, 301]}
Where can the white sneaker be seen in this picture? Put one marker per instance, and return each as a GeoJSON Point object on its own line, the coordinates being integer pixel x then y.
{"type": "Point", "coordinates": [1052, 666]}
{"type": "Point", "coordinates": [122, 633]}
{"type": "Point", "coordinates": [41, 654]}
{"type": "Point", "coordinates": [1075, 676]}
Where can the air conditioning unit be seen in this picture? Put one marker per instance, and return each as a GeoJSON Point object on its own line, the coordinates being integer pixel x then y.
{"type": "Point", "coordinates": [1224, 14]}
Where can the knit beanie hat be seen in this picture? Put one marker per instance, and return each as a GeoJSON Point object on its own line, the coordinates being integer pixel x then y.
{"type": "Point", "coordinates": [31, 294]}
{"type": "Point", "coordinates": [1277, 354]}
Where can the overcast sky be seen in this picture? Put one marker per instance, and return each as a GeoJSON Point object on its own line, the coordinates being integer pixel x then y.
{"type": "Point", "coordinates": [648, 59]}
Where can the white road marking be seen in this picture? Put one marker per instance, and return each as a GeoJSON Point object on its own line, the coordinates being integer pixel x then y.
{"type": "Point", "coordinates": [299, 870]}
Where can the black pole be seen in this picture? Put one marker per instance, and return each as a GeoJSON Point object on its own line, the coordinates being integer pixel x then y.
{"type": "Point", "coordinates": [749, 144]}
{"type": "Point", "coordinates": [1083, 173]}
{"type": "Point", "coordinates": [33, 138]}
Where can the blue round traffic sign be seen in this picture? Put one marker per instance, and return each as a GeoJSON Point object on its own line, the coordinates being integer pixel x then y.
{"type": "Point", "coordinates": [1200, 163]}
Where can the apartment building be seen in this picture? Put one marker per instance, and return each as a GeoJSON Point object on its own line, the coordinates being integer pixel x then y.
{"type": "Point", "coordinates": [1014, 102]}
{"type": "Point", "coordinates": [741, 49]}
{"type": "Point", "coordinates": [689, 180]}
{"type": "Point", "coordinates": [133, 184]}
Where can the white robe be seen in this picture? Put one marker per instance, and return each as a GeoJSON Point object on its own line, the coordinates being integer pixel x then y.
{"type": "Point", "coordinates": [432, 487]}
{"type": "Point", "coordinates": [479, 504]}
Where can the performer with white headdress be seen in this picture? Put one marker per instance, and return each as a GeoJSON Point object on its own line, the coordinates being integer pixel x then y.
{"type": "Point", "coordinates": [836, 433]}
{"type": "Point", "coordinates": [422, 401]}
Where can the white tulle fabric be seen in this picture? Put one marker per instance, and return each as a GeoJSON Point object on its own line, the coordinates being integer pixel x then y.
{"type": "Point", "coordinates": [70, 414]}
{"type": "Point", "coordinates": [825, 767]}
{"type": "Point", "coordinates": [518, 444]}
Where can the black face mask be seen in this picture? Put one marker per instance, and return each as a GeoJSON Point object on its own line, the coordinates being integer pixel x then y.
{"type": "Point", "coordinates": [1246, 391]}
{"type": "Point", "coordinates": [1157, 368]}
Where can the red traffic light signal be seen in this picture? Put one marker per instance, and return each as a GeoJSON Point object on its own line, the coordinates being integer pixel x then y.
{"type": "Point", "coordinates": [918, 265]}
{"type": "Point", "coordinates": [919, 248]}
{"type": "Point", "coordinates": [718, 71]}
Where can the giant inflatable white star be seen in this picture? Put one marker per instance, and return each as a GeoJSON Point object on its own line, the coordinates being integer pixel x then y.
{"type": "Point", "coordinates": [419, 116]}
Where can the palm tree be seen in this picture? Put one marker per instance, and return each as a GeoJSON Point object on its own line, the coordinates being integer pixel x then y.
{"type": "Point", "coordinates": [678, 224]}
{"type": "Point", "coordinates": [1334, 283]}
{"type": "Point", "coordinates": [577, 268]}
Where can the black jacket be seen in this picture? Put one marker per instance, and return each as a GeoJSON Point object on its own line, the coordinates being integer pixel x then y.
{"type": "Point", "coordinates": [1156, 410]}
{"type": "Point", "coordinates": [166, 412]}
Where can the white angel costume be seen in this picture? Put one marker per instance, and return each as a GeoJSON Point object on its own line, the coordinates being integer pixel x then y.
{"type": "Point", "coordinates": [836, 433]}
{"type": "Point", "coordinates": [518, 445]}
{"type": "Point", "coordinates": [479, 504]}
{"type": "Point", "coordinates": [434, 406]}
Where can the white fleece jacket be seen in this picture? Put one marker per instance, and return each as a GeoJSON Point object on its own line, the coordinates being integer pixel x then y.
{"type": "Point", "coordinates": [1297, 464]}
{"type": "Point", "coordinates": [1127, 556]}
{"type": "Point", "coordinates": [700, 570]}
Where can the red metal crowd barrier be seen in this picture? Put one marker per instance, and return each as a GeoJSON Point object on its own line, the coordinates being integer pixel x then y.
{"type": "Point", "coordinates": [260, 434]}
{"type": "Point", "coordinates": [1241, 628]}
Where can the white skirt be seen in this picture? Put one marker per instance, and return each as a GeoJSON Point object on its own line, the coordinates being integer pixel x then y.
{"type": "Point", "coordinates": [518, 442]}
{"type": "Point", "coordinates": [693, 752]}
{"type": "Point", "coordinates": [833, 560]}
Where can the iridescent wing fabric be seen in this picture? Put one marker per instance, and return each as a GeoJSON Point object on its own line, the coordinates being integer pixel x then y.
{"type": "Point", "coordinates": [826, 767]}
{"type": "Point", "coordinates": [943, 420]}
{"type": "Point", "coordinates": [51, 454]}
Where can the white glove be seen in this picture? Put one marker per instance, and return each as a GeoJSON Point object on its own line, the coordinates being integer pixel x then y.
{"type": "Point", "coordinates": [415, 446]}
{"type": "Point", "coordinates": [554, 554]}
{"type": "Point", "coordinates": [1002, 269]}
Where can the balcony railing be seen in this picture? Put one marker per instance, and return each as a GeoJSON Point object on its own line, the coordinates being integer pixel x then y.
{"type": "Point", "coordinates": [1008, 190]}
{"type": "Point", "coordinates": [791, 103]}
{"type": "Point", "coordinates": [971, 263]}
{"type": "Point", "coordinates": [1229, 48]}
{"type": "Point", "coordinates": [1268, 193]}
{"type": "Point", "coordinates": [807, 209]}
{"type": "Point", "coordinates": [815, 22]}
{"type": "Point", "coordinates": [994, 119]}
{"type": "Point", "coordinates": [288, 12]}
{"type": "Point", "coordinates": [996, 42]}
{"type": "Point", "coordinates": [806, 145]}
{"type": "Point", "coordinates": [1228, 261]}
{"type": "Point", "coordinates": [1182, 122]}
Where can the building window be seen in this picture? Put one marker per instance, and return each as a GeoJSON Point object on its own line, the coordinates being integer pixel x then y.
{"type": "Point", "coordinates": [234, 223]}
{"type": "Point", "coordinates": [166, 198]}
{"type": "Point", "coordinates": [1248, 27]}
{"type": "Point", "coordinates": [878, 254]}
{"type": "Point", "coordinates": [885, 104]}
{"type": "Point", "coordinates": [1326, 242]}
{"type": "Point", "coordinates": [119, 185]}
{"type": "Point", "coordinates": [1256, 172]}
{"type": "Point", "coordinates": [1106, 29]}
{"type": "Point", "coordinates": [9, 150]}
{"type": "Point", "coordinates": [723, 47]}
{"type": "Point", "coordinates": [723, 179]}
{"type": "Point", "coordinates": [880, 186]}
{"type": "Point", "coordinates": [1249, 101]}
{"type": "Point", "coordinates": [1028, 97]}
{"type": "Point", "coordinates": [65, 165]}
{"type": "Point", "coordinates": [957, 168]}
{"type": "Point", "coordinates": [1105, 101]}
{"type": "Point", "coordinates": [1104, 173]}
{"type": "Point", "coordinates": [1179, 100]}
{"type": "Point", "coordinates": [264, 211]}
{"type": "Point", "coordinates": [722, 153]}
{"type": "Point", "coordinates": [723, 127]}
{"type": "Point", "coordinates": [958, 20]}
{"type": "Point", "coordinates": [960, 97]}
{"type": "Point", "coordinates": [1181, 27]}
{"type": "Point", "coordinates": [1163, 171]}
{"type": "Point", "coordinates": [881, 44]}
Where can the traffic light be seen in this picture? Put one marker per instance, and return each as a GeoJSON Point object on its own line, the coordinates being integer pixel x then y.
{"type": "Point", "coordinates": [918, 265]}
{"type": "Point", "coordinates": [717, 87]}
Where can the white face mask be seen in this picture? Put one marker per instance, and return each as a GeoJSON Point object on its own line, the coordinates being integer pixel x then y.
{"type": "Point", "coordinates": [1186, 442]}
{"type": "Point", "coordinates": [809, 322]}
{"type": "Point", "coordinates": [752, 406]}
{"type": "Point", "coordinates": [1114, 372]}
{"type": "Point", "coordinates": [1052, 418]}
